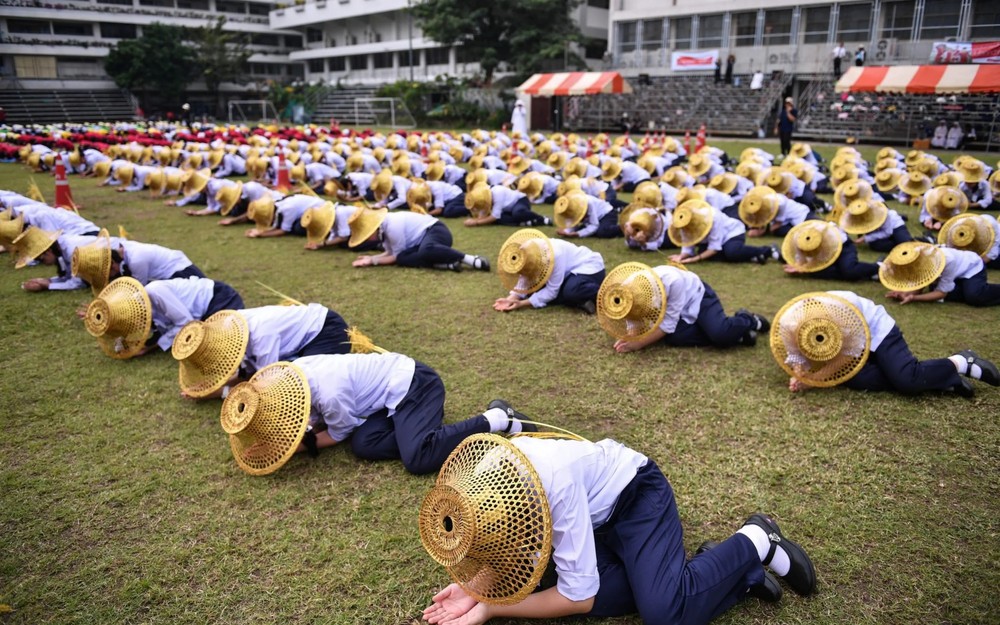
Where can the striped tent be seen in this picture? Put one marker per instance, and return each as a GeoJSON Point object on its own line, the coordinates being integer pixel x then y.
{"type": "Point", "coordinates": [922, 79]}
{"type": "Point", "coordinates": [575, 83]}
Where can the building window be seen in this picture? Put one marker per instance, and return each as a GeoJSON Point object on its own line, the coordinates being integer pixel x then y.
{"type": "Point", "coordinates": [434, 56]}
{"type": "Point", "coordinates": [815, 24]}
{"type": "Point", "coordinates": [316, 66]}
{"type": "Point", "coordinates": [314, 35]}
{"type": "Point", "coordinates": [337, 64]}
{"type": "Point", "coordinates": [296, 70]}
{"type": "Point", "coordinates": [745, 28]}
{"type": "Point", "coordinates": [258, 39]}
{"type": "Point", "coordinates": [359, 62]}
{"type": "Point", "coordinates": [599, 4]}
{"type": "Point", "coordinates": [293, 41]}
{"type": "Point", "coordinates": [855, 22]}
{"type": "Point", "coordinates": [197, 5]}
{"type": "Point", "coordinates": [652, 34]}
{"type": "Point", "coordinates": [681, 28]}
{"type": "Point", "coordinates": [985, 19]}
{"type": "Point", "coordinates": [940, 19]}
{"type": "Point", "coordinates": [626, 36]}
{"type": "Point", "coordinates": [382, 60]}
{"type": "Point", "coordinates": [259, 9]}
{"type": "Point", "coordinates": [777, 27]}
{"type": "Point", "coordinates": [594, 48]}
{"type": "Point", "coordinates": [117, 31]}
{"type": "Point", "coordinates": [29, 27]}
{"type": "Point", "coordinates": [224, 6]}
{"type": "Point", "coordinates": [73, 29]}
{"type": "Point", "coordinates": [404, 58]}
{"type": "Point", "coordinates": [897, 20]}
{"type": "Point", "coordinates": [157, 3]}
{"type": "Point", "coordinates": [710, 31]}
{"type": "Point", "coordinates": [120, 2]}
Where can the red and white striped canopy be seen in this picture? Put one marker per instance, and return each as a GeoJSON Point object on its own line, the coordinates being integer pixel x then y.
{"type": "Point", "coordinates": [575, 83]}
{"type": "Point", "coordinates": [922, 79]}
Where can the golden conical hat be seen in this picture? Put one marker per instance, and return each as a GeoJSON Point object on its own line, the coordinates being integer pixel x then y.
{"type": "Point", "coordinates": [911, 266]}
{"type": "Point", "coordinates": [691, 223]}
{"type": "Point", "coordinates": [75, 159]}
{"type": "Point", "coordinates": [92, 262]}
{"type": "Point", "coordinates": [487, 520]}
{"type": "Point", "coordinates": [526, 261]}
{"type": "Point", "coordinates": [778, 179]}
{"type": "Point", "coordinates": [972, 171]}
{"type": "Point", "coordinates": [887, 163]}
{"type": "Point", "coordinates": [839, 175]}
{"type": "Point", "coordinates": [297, 173]}
{"type": "Point", "coordinates": [209, 352]}
{"type": "Point", "coordinates": [943, 203]}
{"type": "Point", "coordinates": [646, 162]}
{"type": "Point", "coordinates": [571, 183]}
{"type": "Point", "coordinates": [610, 170]}
{"type": "Point", "coordinates": [476, 162]}
{"type": "Point", "coordinates": [165, 155]}
{"type": "Point", "coordinates": [646, 219]}
{"type": "Point", "coordinates": [401, 166]}
{"type": "Point", "coordinates": [676, 177]}
{"type": "Point", "coordinates": [261, 212]}
{"type": "Point", "coordinates": [215, 158]}
{"type": "Point", "coordinates": [197, 181]}
{"type": "Point", "coordinates": [631, 302]}
{"type": "Point", "coordinates": [647, 193]}
{"type": "Point", "coordinates": [863, 216]}
{"type": "Point", "coordinates": [31, 243]}
{"type": "Point", "coordinates": [478, 175]}
{"type": "Point", "coordinates": [926, 166]}
{"type": "Point", "coordinates": [914, 184]}
{"type": "Point", "coordinates": [724, 183]}
{"type": "Point", "coordinates": [801, 170]}
{"type": "Point", "coordinates": [750, 171]}
{"type": "Point", "coordinates": [887, 180]}
{"type": "Point", "coordinates": [435, 171]}
{"type": "Point", "coordinates": [318, 221]}
{"type": "Point", "coordinates": [800, 150]}
{"type": "Point", "coordinates": [266, 417]}
{"type": "Point", "coordinates": [812, 245]}
{"type": "Point", "coordinates": [228, 196]}
{"type": "Point", "coordinates": [156, 181]}
{"type": "Point", "coordinates": [102, 169]}
{"type": "Point", "coordinates": [419, 196]}
{"type": "Point", "coordinates": [531, 184]}
{"type": "Point", "coordinates": [851, 190]}
{"type": "Point", "coordinates": [968, 232]}
{"type": "Point", "coordinates": [995, 181]}
{"type": "Point", "coordinates": [194, 160]}
{"type": "Point", "coordinates": [10, 229]}
{"type": "Point", "coordinates": [382, 184]}
{"type": "Point", "coordinates": [558, 160]}
{"type": "Point", "coordinates": [570, 210]}
{"type": "Point", "coordinates": [124, 174]}
{"type": "Point", "coordinates": [821, 339]}
{"type": "Point", "coordinates": [887, 152]}
{"type": "Point", "coordinates": [759, 206]}
{"type": "Point", "coordinates": [355, 162]}
{"type": "Point", "coordinates": [120, 318]}
{"type": "Point", "coordinates": [696, 192]}
{"type": "Point", "coordinates": [364, 223]}
{"type": "Point", "coordinates": [479, 200]}
{"type": "Point", "coordinates": [698, 165]}
{"type": "Point", "coordinates": [948, 179]}
{"type": "Point", "coordinates": [518, 165]}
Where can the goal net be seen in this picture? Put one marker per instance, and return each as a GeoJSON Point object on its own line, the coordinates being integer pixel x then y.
{"type": "Point", "coordinates": [251, 111]}
{"type": "Point", "coordinates": [390, 112]}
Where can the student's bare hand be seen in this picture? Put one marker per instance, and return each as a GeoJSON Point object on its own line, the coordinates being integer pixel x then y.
{"type": "Point", "coordinates": [35, 285]}
{"type": "Point", "coordinates": [253, 234]}
{"type": "Point", "coordinates": [797, 386]}
{"type": "Point", "coordinates": [506, 304]}
{"type": "Point", "coordinates": [623, 346]}
{"type": "Point", "coordinates": [454, 606]}
{"type": "Point", "coordinates": [470, 222]}
{"type": "Point", "coordinates": [790, 269]}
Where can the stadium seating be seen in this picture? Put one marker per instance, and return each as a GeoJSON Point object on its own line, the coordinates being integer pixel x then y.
{"type": "Point", "coordinates": [339, 104]}
{"type": "Point", "coordinates": [53, 106]}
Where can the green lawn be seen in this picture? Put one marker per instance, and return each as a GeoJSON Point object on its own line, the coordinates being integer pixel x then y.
{"type": "Point", "coordinates": [121, 503]}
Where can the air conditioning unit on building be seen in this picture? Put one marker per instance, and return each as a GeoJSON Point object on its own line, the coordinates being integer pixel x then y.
{"type": "Point", "coordinates": [885, 49]}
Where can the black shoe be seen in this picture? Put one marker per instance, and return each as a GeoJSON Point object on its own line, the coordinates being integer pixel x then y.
{"type": "Point", "coordinates": [589, 307]}
{"type": "Point", "coordinates": [801, 575]}
{"type": "Point", "coordinates": [760, 321]}
{"type": "Point", "coordinates": [964, 388]}
{"type": "Point", "coordinates": [990, 375]}
{"type": "Point", "coordinates": [760, 259]}
{"type": "Point", "coordinates": [455, 266]}
{"type": "Point", "coordinates": [546, 221]}
{"type": "Point", "coordinates": [512, 415]}
{"type": "Point", "coordinates": [749, 339]}
{"type": "Point", "coordinates": [481, 263]}
{"type": "Point", "coordinates": [768, 590]}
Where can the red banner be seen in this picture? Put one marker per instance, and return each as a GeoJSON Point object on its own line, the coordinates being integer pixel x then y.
{"type": "Point", "coordinates": [965, 52]}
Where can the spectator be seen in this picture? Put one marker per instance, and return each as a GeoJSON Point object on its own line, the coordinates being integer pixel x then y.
{"type": "Point", "coordinates": [839, 54]}
{"type": "Point", "coordinates": [718, 71]}
{"type": "Point", "coordinates": [757, 82]}
{"type": "Point", "coordinates": [730, 62]}
{"type": "Point", "coordinates": [786, 124]}
{"type": "Point", "coordinates": [859, 56]}
{"type": "Point", "coordinates": [955, 137]}
{"type": "Point", "coordinates": [940, 135]}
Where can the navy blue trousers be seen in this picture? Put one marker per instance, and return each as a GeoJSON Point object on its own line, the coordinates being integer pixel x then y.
{"type": "Point", "coordinates": [736, 250]}
{"type": "Point", "coordinates": [893, 367]}
{"type": "Point", "coordinates": [579, 288]}
{"type": "Point", "coordinates": [433, 249]}
{"type": "Point", "coordinates": [644, 569]}
{"type": "Point", "coordinates": [188, 272]}
{"type": "Point", "coordinates": [900, 235]}
{"type": "Point", "coordinates": [783, 230]}
{"type": "Point", "coordinates": [455, 207]}
{"type": "Point", "coordinates": [224, 297]}
{"type": "Point", "coordinates": [611, 196]}
{"type": "Point", "coordinates": [520, 214]}
{"type": "Point", "coordinates": [975, 291]}
{"type": "Point", "coordinates": [608, 228]}
{"type": "Point", "coordinates": [712, 327]}
{"type": "Point", "coordinates": [732, 211]}
{"type": "Point", "coordinates": [847, 266]}
{"type": "Point", "coordinates": [332, 338]}
{"type": "Point", "coordinates": [415, 433]}
{"type": "Point", "coordinates": [460, 183]}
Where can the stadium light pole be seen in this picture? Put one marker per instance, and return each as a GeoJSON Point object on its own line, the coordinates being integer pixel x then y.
{"type": "Point", "coordinates": [409, 28]}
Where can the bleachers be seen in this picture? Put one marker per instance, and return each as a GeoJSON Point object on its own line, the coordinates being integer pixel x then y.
{"type": "Point", "coordinates": [339, 104]}
{"type": "Point", "coordinates": [681, 103]}
{"type": "Point", "coordinates": [51, 106]}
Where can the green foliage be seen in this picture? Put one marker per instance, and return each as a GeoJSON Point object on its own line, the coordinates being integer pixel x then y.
{"type": "Point", "coordinates": [521, 33]}
{"type": "Point", "coordinates": [158, 61]}
{"type": "Point", "coordinates": [221, 57]}
{"type": "Point", "coordinates": [440, 103]}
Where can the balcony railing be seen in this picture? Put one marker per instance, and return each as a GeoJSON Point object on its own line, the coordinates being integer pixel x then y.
{"type": "Point", "coordinates": [130, 10]}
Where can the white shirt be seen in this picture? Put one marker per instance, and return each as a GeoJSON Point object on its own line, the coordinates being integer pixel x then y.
{"type": "Point", "coordinates": [290, 209]}
{"type": "Point", "coordinates": [176, 302]}
{"type": "Point", "coordinates": [279, 332]}
{"type": "Point", "coordinates": [441, 192]}
{"type": "Point", "coordinates": [633, 173]}
{"type": "Point", "coordinates": [362, 181]}
{"type": "Point", "coordinates": [592, 186]}
{"type": "Point", "coordinates": [65, 280]}
{"type": "Point", "coordinates": [723, 229]}
{"type": "Point", "coordinates": [549, 186]}
{"type": "Point", "coordinates": [582, 482]}
{"type": "Point", "coordinates": [212, 189]}
{"type": "Point", "coordinates": [685, 291]}
{"type": "Point", "coordinates": [403, 230]}
{"type": "Point", "coordinates": [669, 194]}
{"type": "Point", "coordinates": [48, 218]}
{"type": "Point", "coordinates": [596, 210]}
{"type": "Point", "coordinates": [401, 186]}
{"type": "Point", "coordinates": [959, 264]}
{"type": "Point", "coordinates": [341, 214]}
{"type": "Point", "coordinates": [979, 194]}
{"type": "Point", "coordinates": [320, 172]}
{"type": "Point", "coordinates": [147, 262]}
{"type": "Point", "coordinates": [253, 191]}
{"type": "Point", "coordinates": [569, 258]}
{"type": "Point", "coordinates": [503, 198]}
{"type": "Point", "coordinates": [892, 221]}
{"type": "Point", "coordinates": [790, 212]}
{"type": "Point", "coordinates": [880, 323]}
{"type": "Point", "coordinates": [718, 199]}
{"type": "Point", "coordinates": [453, 173]}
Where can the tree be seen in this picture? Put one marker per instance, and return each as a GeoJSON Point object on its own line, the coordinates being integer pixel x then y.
{"type": "Point", "coordinates": [157, 61]}
{"type": "Point", "coordinates": [522, 33]}
{"type": "Point", "coordinates": [221, 57]}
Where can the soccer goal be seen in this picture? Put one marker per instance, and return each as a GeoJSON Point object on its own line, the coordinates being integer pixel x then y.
{"type": "Point", "coordinates": [390, 112]}
{"type": "Point", "coordinates": [251, 111]}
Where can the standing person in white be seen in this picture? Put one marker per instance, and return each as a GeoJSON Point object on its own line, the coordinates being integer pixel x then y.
{"type": "Point", "coordinates": [519, 119]}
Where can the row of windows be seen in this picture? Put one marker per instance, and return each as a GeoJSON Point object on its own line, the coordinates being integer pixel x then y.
{"type": "Point", "coordinates": [384, 60]}
{"type": "Point", "coordinates": [222, 6]}
{"type": "Point", "coordinates": [110, 30]}
{"type": "Point", "coordinates": [851, 23]}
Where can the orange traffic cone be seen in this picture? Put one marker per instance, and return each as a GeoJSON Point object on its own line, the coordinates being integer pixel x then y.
{"type": "Point", "coordinates": [687, 141]}
{"type": "Point", "coordinates": [284, 180]}
{"type": "Point", "coordinates": [700, 139]}
{"type": "Point", "coordinates": [64, 197]}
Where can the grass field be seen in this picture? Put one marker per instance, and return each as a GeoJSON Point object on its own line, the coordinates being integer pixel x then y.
{"type": "Point", "coordinates": [121, 503]}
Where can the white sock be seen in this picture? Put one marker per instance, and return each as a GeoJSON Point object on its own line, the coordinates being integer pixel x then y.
{"type": "Point", "coordinates": [779, 562]}
{"type": "Point", "coordinates": [964, 368]}
{"type": "Point", "coordinates": [469, 260]}
{"type": "Point", "coordinates": [499, 421]}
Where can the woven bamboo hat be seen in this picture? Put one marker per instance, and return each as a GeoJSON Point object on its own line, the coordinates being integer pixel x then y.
{"type": "Point", "coordinates": [887, 180]}
{"type": "Point", "coordinates": [266, 417]}
{"type": "Point", "coordinates": [570, 210]}
{"type": "Point", "coordinates": [479, 200]}
{"type": "Point", "coordinates": [435, 171]}
{"type": "Point", "coordinates": [558, 160]}
{"type": "Point", "coordinates": [215, 158]}
{"type": "Point", "coordinates": [914, 184]}
{"type": "Point", "coordinates": [419, 196]}
{"type": "Point", "coordinates": [526, 261]}
{"type": "Point", "coordinates": [972, 170]}
{"type": "Point", "coordinates": [724, 183]}
{"type": "Point", "coordinates": [610, 170]}
{"type": "Point", "coordinates": [647, 193]}
{"type": "Point", "coordinates": [802, 170]}
{"type": "Point", "coordinates": [197, 181]}
{"type": "Point", "coordinates": [926, 166]}
{"type": "Point", "coordinates": [968, 232]}
{"type": "Point", "coordinates": [699, 165]}
{"type": "Point", "coordinates": [124, 174]}
{"type": "Point", "coordinates": [778, 179]}
{"type": "Point", "coordinates": [676, 177]}
{"type": "Point", "coordinates": [31, 243]}
{"type": "Point", "coordinates": [156, 181]}
{"type": "Point", "coordinates": [355, 162]}
{"type": "Point", "coordinates": [331, 188]}
{"type": "Point", "coordinates": [863, 216]}
{"type": "Point", "coordinates": [887, 163]}
{"type": "Point", "coordinates": [476, 162]}
{"type": "Point", "coordinates": [631, 302]}
{"type": "Point", "coordinates": [297, 173]}
{"type": "Point", "coordinates": [888, 152]}
{"type": "Point", "coordinates": [840, 175]}
{"type": "Point", "coordinates": [120, 318]}
{"type": "Point", "coordinates": [911, 266]}
{"type": "Point", "coordinates": [209, 352]}
{"type": "Point", "coordinates": [257, 168]}
{"type": "Point", "coordinates": [518, 165]}
{"type": "Point", "coordinates": [748, 170]}
{"type": "Point", "coordinates": [812, 245]}
{"type": "Point", "coordinates": [943, 203]}
{"type": "Point", "coordinates": [646, 162]}
{"type": "Point", "coordinates": [801, 150]}
{"type": "Point", "coordinates": [646, 219]}
{"type": "Point", "coordinates": [165, 156]}
{"type": "Point", "coordinates": [402, 167]}
{"type": "Point", "coordinates": [194, 160]}
{"type": "Point", "coordinates": [825, 337]}
{"type": "Point", "coordinates": [474, 177]}
{"type": "Point", "coordinates": [364, 223]}
{"type": "Point", "coordinates": [851, 190]}
{"type": "Point", "coordinates": [10, 228]}
{"type": "Point", "coordinates": [531, 184]}
{"type": "Point", "coordinates": [995, 181]}
{"type": "Point", "coordinates": [92, 262]}
{"type": "Point", "coordinates": [570, 184]}
{"type": "Point", "coordinates": [382, 184]}
{"type": "Point", "coordinates": [759, 206]}
{"type": "Point", "coordinates": [948, 179]}
{"type": "Point", "coordinates": [697, 192]}
{"type": "Point", "coordinates": [487, 520]}
{"type": "Point", "coordinates": [261, 212]}
{"type": "Point", "coordinates": [845, 160]}
{"type": "Point", "coordinates": [318, 221]}
{"type": "Point", "coordinates": [228, 196]}
{"type": "Point", "coordinates": [691, 223]}
{"type": "Point", "coordinates": [102, 169]}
